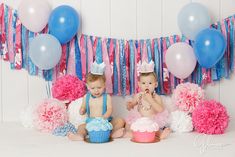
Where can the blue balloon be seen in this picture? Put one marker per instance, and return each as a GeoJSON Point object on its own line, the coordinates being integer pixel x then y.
{"type": "Point", "coordinates": [45, 51]}
{"type": "Point", "coordinates": [64, 23]}
{"type": "Point", "coordinates": [209, 47]}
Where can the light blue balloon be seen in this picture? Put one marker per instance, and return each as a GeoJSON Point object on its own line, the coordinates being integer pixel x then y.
{"type": "Point", "coordinates": [45, 51]}
{"type": "Point", "coordinates": [209, 47]}
{"type": "Point", "coordinates": [193, 18]}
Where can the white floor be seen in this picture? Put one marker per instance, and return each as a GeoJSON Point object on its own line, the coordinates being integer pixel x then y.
{"type": "Point", "coordinates": [16, 141]}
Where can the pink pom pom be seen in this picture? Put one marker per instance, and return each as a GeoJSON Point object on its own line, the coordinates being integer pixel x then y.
{"type": "Point", "coordinates": [49, 115]}
{"type": "Point", "coordinates": [210, 117]}
{"type": "Point", "coordinates": [68, 87]}
{"type": "Point", "coordinates": [187, 96]}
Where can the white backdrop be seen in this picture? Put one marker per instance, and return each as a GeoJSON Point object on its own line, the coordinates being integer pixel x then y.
{"type": "Point", "coordinates": [128, 19]}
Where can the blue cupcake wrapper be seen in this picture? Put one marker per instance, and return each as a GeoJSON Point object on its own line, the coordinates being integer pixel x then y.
{"type": "Point", "coordinates": [99, 136]}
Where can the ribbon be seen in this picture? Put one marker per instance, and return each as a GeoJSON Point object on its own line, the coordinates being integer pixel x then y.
{"type": "Point", "coordinates": [71, 59]}
{"type": "Point", "coordinates": [108, 70]}
{"type": "Point", "coordinates": [83, 56]}
{"type": "Point", "coordinates": [78, 59]}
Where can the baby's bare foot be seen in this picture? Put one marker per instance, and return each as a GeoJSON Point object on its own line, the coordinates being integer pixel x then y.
{"type": "Point", "coordinates": [75, 137]}
{"type": "Point", "coordinates": [127, 134]}
{"type": "Point", "coordinates": [165, 133]}
{"type": "Point", "coordinates": [118, 133]}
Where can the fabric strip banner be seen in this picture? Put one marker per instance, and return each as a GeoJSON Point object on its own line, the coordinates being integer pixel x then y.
{"type": "Point", "coordinates": [120, 56]}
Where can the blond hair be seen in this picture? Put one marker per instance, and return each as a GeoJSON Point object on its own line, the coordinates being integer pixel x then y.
{"type": "Point", "coordinates": [148, 74]}
{"type": "Point", "coordinates": [91, 78]}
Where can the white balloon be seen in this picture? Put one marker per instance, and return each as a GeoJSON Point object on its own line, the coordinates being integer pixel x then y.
{"type": "Point", "coordinates": [34, 14]}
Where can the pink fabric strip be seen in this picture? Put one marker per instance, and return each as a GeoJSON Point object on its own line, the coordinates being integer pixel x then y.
{"type": "Point", "coordinates": [127, 53]}
{"type": "Point", "coordinates": [63, 61]}
{"type": "Point", "coordinates": [108, 71]}
{"type": "Point", "coordinates": [95, 39]}
{"type": "Point", "coordinates": [4, 44]}
{"type": "Point", "coordinates": [71, 59]}
{"type": "Point", "coordinates": [138, 60]}
{"type": "Point", "coordinates": [111, 57]}
{"type": "Point", "coordinates": [18, 52]}
{"type": "Point", "coordinates": [144, 52]}
{"type": "Point", "coordinates": [10, 36]}
{"type": "Point", "coordinates": [90, 53]}
{"type": "Point", "coordinates": [136, 75]}
{"type": "Point", "coordinates": [83, 57]}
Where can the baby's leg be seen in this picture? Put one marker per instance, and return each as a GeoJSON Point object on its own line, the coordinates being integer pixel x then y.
{"type": "Point", "coordinates": [80, 135]}
{"type": "Point", "coordinates": [118, 127]}
{"type": "Point", "coordinates": [165, 133]}
{"type": "Point", "coordinates": [128, 133]}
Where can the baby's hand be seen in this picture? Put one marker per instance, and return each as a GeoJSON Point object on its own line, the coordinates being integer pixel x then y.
{"type": "Point", "coordinates": [148, 97]}
{"type": "Point", "coordinates": [129, 105]}
{"type": "Point", "coordinates": [82, 111]}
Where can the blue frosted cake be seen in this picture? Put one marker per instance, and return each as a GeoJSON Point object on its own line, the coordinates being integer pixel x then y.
{"type": "Point", "coordinates": [99, 130]}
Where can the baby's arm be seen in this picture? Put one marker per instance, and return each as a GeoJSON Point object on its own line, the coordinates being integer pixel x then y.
{"type": "Point", "coordinates": [155, 101]}
{"type": "Point", "coordinates": [109, 108]}
{"type": "Point", "coordinates": [82, 110]}
{"type": "Point", "coordinates": [131, 104]}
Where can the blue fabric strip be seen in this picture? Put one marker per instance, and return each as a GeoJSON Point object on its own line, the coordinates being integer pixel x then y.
{"type": "Point", "coordinates": [149, 51]}
{"type": "Point", "coordinates": [132, 68]}
{"type": "Point", "coordinates": [115, 72]}
{"type": "Point", "coordinates": [99, 59]}
{"type": "Point", "coordinates": [24, 47]}
{"type": "Point", "coordinates": [157, 65]}
{"type": "Point", "coordinates": [14, 34]}
{"type": "Point", "coordinates": [122, 67]}
{"type": "Point", "coordinates": [231, 44]}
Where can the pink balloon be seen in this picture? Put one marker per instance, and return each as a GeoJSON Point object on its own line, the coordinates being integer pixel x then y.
{"type": "Point", "coordinates": [34, 14]}
{"type": "Point", "coordinates": [180, 60]}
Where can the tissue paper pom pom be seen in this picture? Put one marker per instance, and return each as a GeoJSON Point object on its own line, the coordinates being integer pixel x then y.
{"type": "Point", "coordinates": [50, 114]}
{"type": "Point", "coordinates": [210, 117]}
{"type": "Point", "coordinates": [68, 87]}
{"type": "Point", "coordinates": [26, 117]}
{"type": "Point", "coordinates": [73, 111]}
{"type": "Point", "coordinates": [187, 96]}
{"type": "Point", "coordinates": [63, 130]}
{"type": "Point", "coordinates": [181, 122]}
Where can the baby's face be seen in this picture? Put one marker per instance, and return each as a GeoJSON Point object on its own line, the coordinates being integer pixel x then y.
{"type": "Point", "coordinates": [147, 83]}
{"type": "Point", "coordinates": [96, 87]}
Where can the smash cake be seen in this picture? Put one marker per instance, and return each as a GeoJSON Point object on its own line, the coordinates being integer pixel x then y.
{"type": "Point", "coordinates": [144, 130]}
{"type": "Point", "coordinates": [99, 130]}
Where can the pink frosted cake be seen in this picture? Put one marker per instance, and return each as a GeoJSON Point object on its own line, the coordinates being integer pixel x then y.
{"type": "Point", "coordinates": [144, 130]}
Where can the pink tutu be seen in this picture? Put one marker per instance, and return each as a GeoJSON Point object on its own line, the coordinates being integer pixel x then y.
{"type": "Point", "coordinates": [160, 118]}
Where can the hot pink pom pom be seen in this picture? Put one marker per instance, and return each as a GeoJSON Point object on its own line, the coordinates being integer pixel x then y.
{"type": "Point", "coordinates": [68, 87]}
{"type": "Point", "coordinates": [210, 117]}
{"type": "Point", "coordinates": [49, 115]}
{"type": "Point", "coordinates": [187, 96]}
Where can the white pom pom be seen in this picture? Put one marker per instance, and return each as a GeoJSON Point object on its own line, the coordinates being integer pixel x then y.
{"type": "Point", "coordinates": [26, 117]}
{"type": "Point", "coordinates": [74, 116]}
{"type": "Point", "coordinates": [181, 122]}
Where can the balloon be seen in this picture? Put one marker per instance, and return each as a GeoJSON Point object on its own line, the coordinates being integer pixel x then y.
{"type": "Point", "coordinates": [180, 60]}
{"type": "Point", "coordinates": [193, 18]}
{"type": "Point", "coordinates": [64, 23]}
{"type": "Point", "coordinates": [33, 14]}
{"type": "Point", "coordinates": [45, 51]}
{"type": "Point", "coordinates": [209, 47]}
